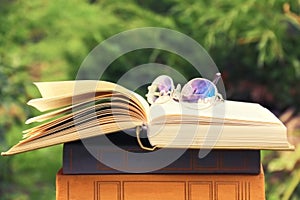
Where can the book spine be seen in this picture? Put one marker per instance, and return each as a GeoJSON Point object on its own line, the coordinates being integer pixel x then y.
{"type": "Point", "coordinates": [78, 160]}
{"type": "Point", "coordinates": [160, 187]}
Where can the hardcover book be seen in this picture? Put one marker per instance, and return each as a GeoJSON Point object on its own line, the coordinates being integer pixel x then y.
{"type": "Point", "coordinates": [160, 187]}
{"type": "Point", "coordinates": [76, 110]}
{"type": "Point", "coordinates": [77, 159]}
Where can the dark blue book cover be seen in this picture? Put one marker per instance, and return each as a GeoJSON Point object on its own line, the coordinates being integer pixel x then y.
{"type": "Point", "coordinates": [123, 155]}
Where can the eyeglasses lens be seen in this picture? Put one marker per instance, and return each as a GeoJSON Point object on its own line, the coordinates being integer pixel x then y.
{"type": "Point", "coordinates": [161, 86]}
{"type": "Point", "coordinates": [197, 89]}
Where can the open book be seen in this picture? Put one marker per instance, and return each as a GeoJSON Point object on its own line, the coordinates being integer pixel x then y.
{"type": "Point", "coordinates": [73, 110]}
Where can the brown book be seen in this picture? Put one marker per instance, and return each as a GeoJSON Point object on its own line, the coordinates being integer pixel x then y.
{"type": "Point", "coordinates": [160, 187]}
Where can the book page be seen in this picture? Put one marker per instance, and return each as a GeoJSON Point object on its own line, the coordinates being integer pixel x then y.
{"type": "Point", "coordinates": [115, 109]}
{"type": "Point", "coordinates": [105, 117]}
{"type": "Point", "coordinates": [66, 88]}
{"type": "Point", "coordinates": [219, 137]}
{"type": "Point", "coordinates": [227, 111]}
{"type": "Point", "coordinates": [70, 135]}
{"type": "Point", "coordinates": [92, 104]}
{"type": "Point", "coordinates": [64, 93]}
{"type": "Point", "coordinates": [224, 125]}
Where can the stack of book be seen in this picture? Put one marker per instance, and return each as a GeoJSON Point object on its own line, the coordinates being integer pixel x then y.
{"type": "Point", "coordinates": [182, 153]}
{"type": "Point", "coordinates": [221, 174]}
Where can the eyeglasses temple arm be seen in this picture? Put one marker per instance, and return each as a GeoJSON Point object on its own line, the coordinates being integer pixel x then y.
{"type": "Point", "coordinates": [137, 131]}
{"type": "Point", "coordinates": [217, 77]}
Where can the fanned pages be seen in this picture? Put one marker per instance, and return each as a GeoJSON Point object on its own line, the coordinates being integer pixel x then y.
{"type": "Point", "coordinates": [74, 110]}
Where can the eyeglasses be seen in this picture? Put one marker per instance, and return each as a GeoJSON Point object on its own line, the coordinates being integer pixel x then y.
{"type": "Point", "coordinates": [197, 91]}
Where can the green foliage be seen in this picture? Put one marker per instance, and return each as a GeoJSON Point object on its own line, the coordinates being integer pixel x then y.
{"type": "Point", "coordinates": [248, 40]}
{"type": "Point", "coordinates": [283, 172]}
{"type": "Point", "coordinates": [254, 43]}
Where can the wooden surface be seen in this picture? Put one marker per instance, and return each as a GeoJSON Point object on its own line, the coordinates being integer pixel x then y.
{"type": "Point", "coordinates": [160, 187]}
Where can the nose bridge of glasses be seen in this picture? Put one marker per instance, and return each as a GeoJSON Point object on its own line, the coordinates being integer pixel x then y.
{"type": "Point", "coordinates": [176, 92]}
